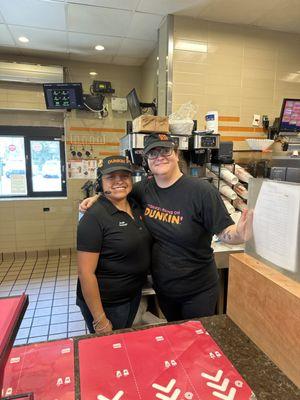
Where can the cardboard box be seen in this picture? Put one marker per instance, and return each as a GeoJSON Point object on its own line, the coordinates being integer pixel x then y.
{"type": "Point", "coordinates": [150, 123]}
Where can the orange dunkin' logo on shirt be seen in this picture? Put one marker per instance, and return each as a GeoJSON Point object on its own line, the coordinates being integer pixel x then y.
{"type": "Point", "coordinates": [161, 214]}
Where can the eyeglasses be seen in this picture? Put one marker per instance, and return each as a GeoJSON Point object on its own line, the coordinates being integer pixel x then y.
{"type": "Point", "coordinates": [159, 152]}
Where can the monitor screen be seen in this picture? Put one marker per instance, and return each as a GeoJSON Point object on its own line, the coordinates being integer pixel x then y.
{"type": "Point", "coordinates": [290, 117]}
{"type": "Point", "coordinates": [134, 104]}
{"type": "Point", "coordinates": [63, 96]}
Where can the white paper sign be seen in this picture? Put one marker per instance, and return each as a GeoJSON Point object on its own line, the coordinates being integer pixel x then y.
{"type": "Point", "coordinates": [276, 224]}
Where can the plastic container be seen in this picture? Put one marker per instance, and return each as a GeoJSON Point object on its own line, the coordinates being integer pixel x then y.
{"type": "Point", "coordinates": [181, 126]}
{"type": "Point", "coordinates": [212, 121]}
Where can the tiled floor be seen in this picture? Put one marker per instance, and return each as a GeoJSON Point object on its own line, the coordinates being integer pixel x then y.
{"type": "Point", "coordinates": [49, 278]}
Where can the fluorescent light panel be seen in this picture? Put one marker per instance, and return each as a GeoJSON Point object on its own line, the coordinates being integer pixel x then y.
{"type": "Point", "coordinates": [189, 45]}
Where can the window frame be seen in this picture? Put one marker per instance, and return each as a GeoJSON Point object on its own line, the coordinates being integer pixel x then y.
{"type": "Point", "coordinates": [38, 133]}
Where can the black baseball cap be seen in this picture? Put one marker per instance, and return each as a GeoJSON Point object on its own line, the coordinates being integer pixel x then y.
{"type": "Point", "coordinates": [158, 140]}
{"type": "Point", "coordinates": [113, 164]}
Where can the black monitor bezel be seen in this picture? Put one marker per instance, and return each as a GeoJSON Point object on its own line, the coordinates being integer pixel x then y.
{"type": "Point", "coordinates": [76, 85]}
{"type": "Point", "coordinates": [131, 94]}
{"type": "Point", "coordinates": [284, 131]}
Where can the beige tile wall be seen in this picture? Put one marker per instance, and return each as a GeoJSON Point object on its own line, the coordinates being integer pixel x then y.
{"type": "Point", "coordinates": [149, 77]}
{"type": "Point", "coordinates": [23, 223]}
{"type": "Point", "coordinates": [245, 71]}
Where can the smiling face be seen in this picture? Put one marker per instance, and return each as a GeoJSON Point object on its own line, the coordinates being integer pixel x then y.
{"type": "Point", "coordinates": [117, 185]}
{"type": "Point", "coordinates": [163, 161]}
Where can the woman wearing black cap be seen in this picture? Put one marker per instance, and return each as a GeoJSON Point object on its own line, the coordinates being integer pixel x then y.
{"type": "Point", "coordinates": [183, 213]}
{"type": "Point", "coordinates": [114, 250]}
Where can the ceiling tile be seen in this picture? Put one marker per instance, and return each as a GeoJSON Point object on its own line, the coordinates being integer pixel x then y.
{"type": "Point", "coordinates": [34, 13]}
{"type": "Point", "coordinates": [167, 6]}
{"type": "Point", "coordinates": [136, 48]}
{"type": "Point", "coordinates": [133, 61]}
{"type": "Point", "coordinates": [84, 43]}
{"type": "Point", "coordinates": [285, 18]}
{"type": "Point", "coordinates": [40, 38]}
{"type": "Point", "coordinates": [6, 38]}
{"type": "Point", "coordinates": [97, 20]}
{"type": "Point", "coordinates": [121, 4]}
{"type": "Point", "coordinates": [144, 26]}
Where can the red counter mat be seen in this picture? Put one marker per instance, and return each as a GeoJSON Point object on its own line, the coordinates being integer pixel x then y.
{"type": "Point", "coordinates": [173, 362]}
{"type": "Point", "coordinates": [46, 369]}
{"type": "Point", "coordinates": [12, 310]}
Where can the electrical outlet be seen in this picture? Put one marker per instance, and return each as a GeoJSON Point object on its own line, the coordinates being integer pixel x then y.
{"type": "Point", "coordinates": [256, 120]}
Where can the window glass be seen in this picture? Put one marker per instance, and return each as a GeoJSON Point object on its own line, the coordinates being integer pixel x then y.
{"type": "Point", "coordinates": [12, 166]}
{"type": "Point", "coordinates": [45, 166]}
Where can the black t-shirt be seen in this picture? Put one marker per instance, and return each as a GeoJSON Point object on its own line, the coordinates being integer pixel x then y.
{"type": "Point", "coordinates": [182, 220]}
{"type": "Point", "coordinates": [124, 245]}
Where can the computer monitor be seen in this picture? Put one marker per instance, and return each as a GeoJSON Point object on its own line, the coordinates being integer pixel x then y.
{"type": "Point", "coordinates": [136, 107]}
{"type": "Point", "coordinates": [60, 96]}
{"type": "Point", "coordinates": [289, 122]}
{"type": "Point", "coordinates": [134, 104]}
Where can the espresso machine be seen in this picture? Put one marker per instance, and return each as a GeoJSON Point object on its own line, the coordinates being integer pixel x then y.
{"type": "Point", "coordinates": [195, 151]}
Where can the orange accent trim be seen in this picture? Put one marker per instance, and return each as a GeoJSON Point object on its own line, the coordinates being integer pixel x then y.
{"type": "Point", "coordinates": [239, 129]}
{"type": "Point", "coordinates": [109, 153]}
{"type": "Point", "coordinates": [93, 144]}
{"type": "Point", "coordinates": [239, 138]}
{"type": "Point", "coordinates": [228, 118]}
{"type": "Point", "coordinates": [105, 130]}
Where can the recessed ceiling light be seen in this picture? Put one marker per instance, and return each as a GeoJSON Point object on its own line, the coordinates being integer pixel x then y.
{"type": "Point", "coordinates": [23, 39]}
{"type": "Point", "coordinates": [93, 73]}
{"type": "Point", "coordinates": [99, 47]}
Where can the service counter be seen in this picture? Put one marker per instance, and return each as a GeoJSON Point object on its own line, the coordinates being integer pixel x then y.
{"type": "Point", "coordinates": [264, 378]}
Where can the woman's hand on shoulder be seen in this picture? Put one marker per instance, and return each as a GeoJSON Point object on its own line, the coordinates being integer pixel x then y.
{"type": "Point", "coordinates": [87, 203]}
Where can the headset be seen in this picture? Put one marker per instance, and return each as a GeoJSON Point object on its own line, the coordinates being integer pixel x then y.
{"type": "Point", "coordinates": [145, 164]}
{"type": "Point", "coordinates": [98, 187]}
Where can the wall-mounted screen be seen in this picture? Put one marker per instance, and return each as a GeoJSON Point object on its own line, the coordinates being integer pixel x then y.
{"type": "Point", "coordinates": [60, 96]}
{"type": "Point", "coordinates": [290, 117]}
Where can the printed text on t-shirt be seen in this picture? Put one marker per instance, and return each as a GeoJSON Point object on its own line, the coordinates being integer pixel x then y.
{"type": "Point", "coordinates": [169, 216]}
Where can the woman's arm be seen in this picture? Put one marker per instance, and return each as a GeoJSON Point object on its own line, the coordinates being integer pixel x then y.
{"type": "Point", "coordinates": [239, 233]}
{"type": "Point", "coordinates": [88, 202]}
{"type": "Point", "coordinates": [87, 264]}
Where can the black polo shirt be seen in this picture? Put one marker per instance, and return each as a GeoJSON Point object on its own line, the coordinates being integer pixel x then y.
{"type": "Point", "coordinates": [124, 245]}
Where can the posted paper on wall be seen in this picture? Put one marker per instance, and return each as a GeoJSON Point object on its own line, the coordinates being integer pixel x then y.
{"type": "Point", "coordinates": [276, 224]}
{"type": "Point", "coordinates": [81, 169]}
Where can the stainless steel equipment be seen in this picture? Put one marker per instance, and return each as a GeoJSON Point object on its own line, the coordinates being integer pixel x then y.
{"type": "Point", "coordinates": [195, 149]}
{"type": "Point", "coordinates": [285, 168]}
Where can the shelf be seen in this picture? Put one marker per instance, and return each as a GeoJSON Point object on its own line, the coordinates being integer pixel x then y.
{"type": "Point", "coordinates": [32, 110]}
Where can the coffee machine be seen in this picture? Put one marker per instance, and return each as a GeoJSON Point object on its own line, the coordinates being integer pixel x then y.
{"type": "Point", "coordinates": [195, 151]}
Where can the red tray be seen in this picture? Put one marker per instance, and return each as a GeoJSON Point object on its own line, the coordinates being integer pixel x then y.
{"type": "Point", "coordinates": [12, 310]}
{"type": "Point", "coordinates": [177, 362]}
{"type": "Point", "coordinates": [45, 369]}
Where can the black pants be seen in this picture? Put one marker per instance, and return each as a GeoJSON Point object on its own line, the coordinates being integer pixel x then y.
{"type": "Point", "coordinates": [199, 305]}
{"type": "Point", "coordinates": [120, 315]}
